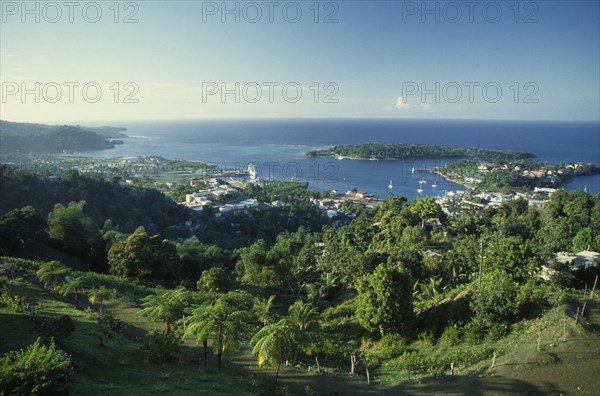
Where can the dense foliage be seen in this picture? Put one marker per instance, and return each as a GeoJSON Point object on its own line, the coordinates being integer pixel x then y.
{"type": "Point", "coordinates": [38, 370]}
{"type": "Point", "coordinates": [19, 137]}
{"type": "Point", "coordinates": [414, 151]}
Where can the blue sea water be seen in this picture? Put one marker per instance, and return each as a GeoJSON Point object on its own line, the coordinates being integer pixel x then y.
{"type": "Point", "coordinates": [278, 147]}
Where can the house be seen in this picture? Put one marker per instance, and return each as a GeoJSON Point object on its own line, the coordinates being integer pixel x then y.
{"type": "Point", "coordinates": [434, 224]}
{"type": "Point", "coordinates": [483, 168]}
{"type": "Point", "coordinates": [537, 203]}
{"type": "Point", "coordinates": [586, 259]}
{"type": "Point", "coordinates": [583, 259]}
{"type": "Point", "coordinates": [332, 213]}
{"type": "Point", "coordinates": [431, 253]}
{"type": "Point", "coordinates": [277, 204]}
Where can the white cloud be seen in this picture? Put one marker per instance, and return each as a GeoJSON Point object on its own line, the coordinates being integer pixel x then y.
{"type": "Point", "coordinates": [401, 104]}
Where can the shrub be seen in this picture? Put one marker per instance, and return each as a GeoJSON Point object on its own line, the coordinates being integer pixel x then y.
{"type": "Point", "coordinates": [160, 347]}
{"type": "Point", "coordinates": [37, 370]}
{"type": "Point", "coordinates": [61, 327]}
{"type": "Point", "coordinates": [392, 345]}
{"type": "Point", "coordinates": [475, 331]}
{"type": "Point", "coordinates": [532, 299]}
{"type": "Point", "coordinates": [496, 301]}
{"type": "Point", "coordinates": [451, 335]}
{"type": "Point", "coordinates": [496, 331]}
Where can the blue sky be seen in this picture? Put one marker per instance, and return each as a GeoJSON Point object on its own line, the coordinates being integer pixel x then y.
{"type": "Point", "coordinates": [179, 57]}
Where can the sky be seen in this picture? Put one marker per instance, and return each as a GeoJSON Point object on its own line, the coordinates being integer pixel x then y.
{"type": "Point", "coordinates": [150, 60]}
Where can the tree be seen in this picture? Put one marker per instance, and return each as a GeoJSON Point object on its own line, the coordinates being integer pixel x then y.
{"type": "Point", "coordinates": [220, 322]}
{"type": "Point", "coordinates": [213, 280]}
{"type": "Point", "coordinates": [73, 230]}
{"type": "Point", "coordinates": [262, 309]}
{"type": "Point", "coordinates": [73, 285]}
{"type": "Point", "coordinates": [519, 258]}
{"type": "Point", "coordinates": [257, 266]}
{"type": "Point", "coordinates": [52, 273]}
{"type": "Point", "coordinates": [425, 208]}
{"type": "Point", "coordinates": [167, 305]}
{"type": "Point", "coordinates": [142, 256]}
{"type": "Point", "coordinates": [584, 240]}
{"type": "Point", "coordinates": [496, 301]}
{"type": "Point", "coordinates": [99, 294]}
{"type": "Point", "coordinates": [302, 314]}
{"type": "Point", "coordinates": [279, 343]}
{"type": "Point", "coordinates": [19, 226]}
{"type": "Point", "coordinates": [384, 301]}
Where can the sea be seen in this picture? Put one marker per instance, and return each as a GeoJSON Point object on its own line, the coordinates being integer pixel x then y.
{"type": "Point", "coordinates": [277, 148]}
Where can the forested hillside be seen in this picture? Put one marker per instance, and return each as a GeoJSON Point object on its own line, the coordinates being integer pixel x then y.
{"type": "Point", "coordinates": [388, 295]}
{"type": "Point", "coordinates": [22, 137]}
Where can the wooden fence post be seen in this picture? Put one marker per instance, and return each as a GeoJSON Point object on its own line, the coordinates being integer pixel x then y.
{"type": "Point", "coordinates": [594, 288]}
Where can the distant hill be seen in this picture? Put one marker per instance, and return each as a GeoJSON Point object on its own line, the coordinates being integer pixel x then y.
{"type": "Point", "coordinates": [26, 137]}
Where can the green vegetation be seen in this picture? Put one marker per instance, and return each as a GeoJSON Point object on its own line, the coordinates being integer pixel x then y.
{"type": "Point", "coordinates": [20, 137]}
{"type": "Point", "coordinates": [381, 151]}
{"type": "Point", "coordinates": [37, 370]}
{"type": "Point", "coordinates": [328, 307]}
{"type": "Point", "coordinates": [513, 176]}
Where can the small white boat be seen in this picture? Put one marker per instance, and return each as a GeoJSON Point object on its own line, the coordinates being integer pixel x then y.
{"type": "Point", "coordinates": [420, 190]}
{"type": "Point", "coordinates": [422, 181]}
{"type": "Point", "coordinates": [414, 170]}
{"type": "Point", "coordinates": [434, 185]}
{"type": "Point", "coordinates": [390, 186]}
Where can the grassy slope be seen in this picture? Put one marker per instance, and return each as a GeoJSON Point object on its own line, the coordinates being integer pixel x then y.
{"type": "Point", "coordinates": [115, 368]}
{"type": "Point", "coordinates": [569, 367]}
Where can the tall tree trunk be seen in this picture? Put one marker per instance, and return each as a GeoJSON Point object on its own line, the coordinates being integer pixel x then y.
{"type": "Point", "coordinates": [368, 374]}
{"type": "Point", "coordinates": [352, 362]}
{"type": "Point", "coordinates": [168, 326]}
{"type": "Point", "coordinates": [205, 350]}
{"type": "Point", "coordinates": [277, 372]}
{"type": "Point", "coordinates": [220, 354]}
{"type": "Point", "coordinates": [317, 363]}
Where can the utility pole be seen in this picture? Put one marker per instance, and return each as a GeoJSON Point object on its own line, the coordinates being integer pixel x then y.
{"type": "Point", "coordinates": [480, 264]}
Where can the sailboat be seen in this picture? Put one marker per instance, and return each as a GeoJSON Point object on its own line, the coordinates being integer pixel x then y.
{"type": "Point", "coordinates": [422, 181]}
{"type": "Point", "coordinates": [420, 190]}
{"type": "Point", "coordinates": [414, 170]}
{"type": "Point", "coordinates": [434, 185]}
{"type": "Point", "coordinates": [390, 186]}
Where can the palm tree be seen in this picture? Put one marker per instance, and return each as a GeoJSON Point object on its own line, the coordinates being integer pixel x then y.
{"type": "Point", "coordinates": [278, 343]}
{"type": "Point", "coordinates": [73, 285]}
{"type": "Point", "coordinates": [167, 305]}
{"type": "Point", "coordinates": [52, 273]}
{"type": "Point", "coordinates": [302, 314]}
{"type": "Point", "coordinates": [220, 322]}
{"type": "Point", "coordinates": [262, 309]}
{"type": "Point", "coordinates": [99, 294]}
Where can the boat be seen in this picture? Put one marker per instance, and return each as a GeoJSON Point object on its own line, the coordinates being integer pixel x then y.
{"type": "Point", "coordinates": [414, 170]}
{"type": "Point", "coordinates": [390, 186]}
{"type": "Point", "coordinates": [422, 181]}
{"type": "Point", "coordinates": [420, 190]}
{"type": "Point", "coordinates": [434, 185]}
